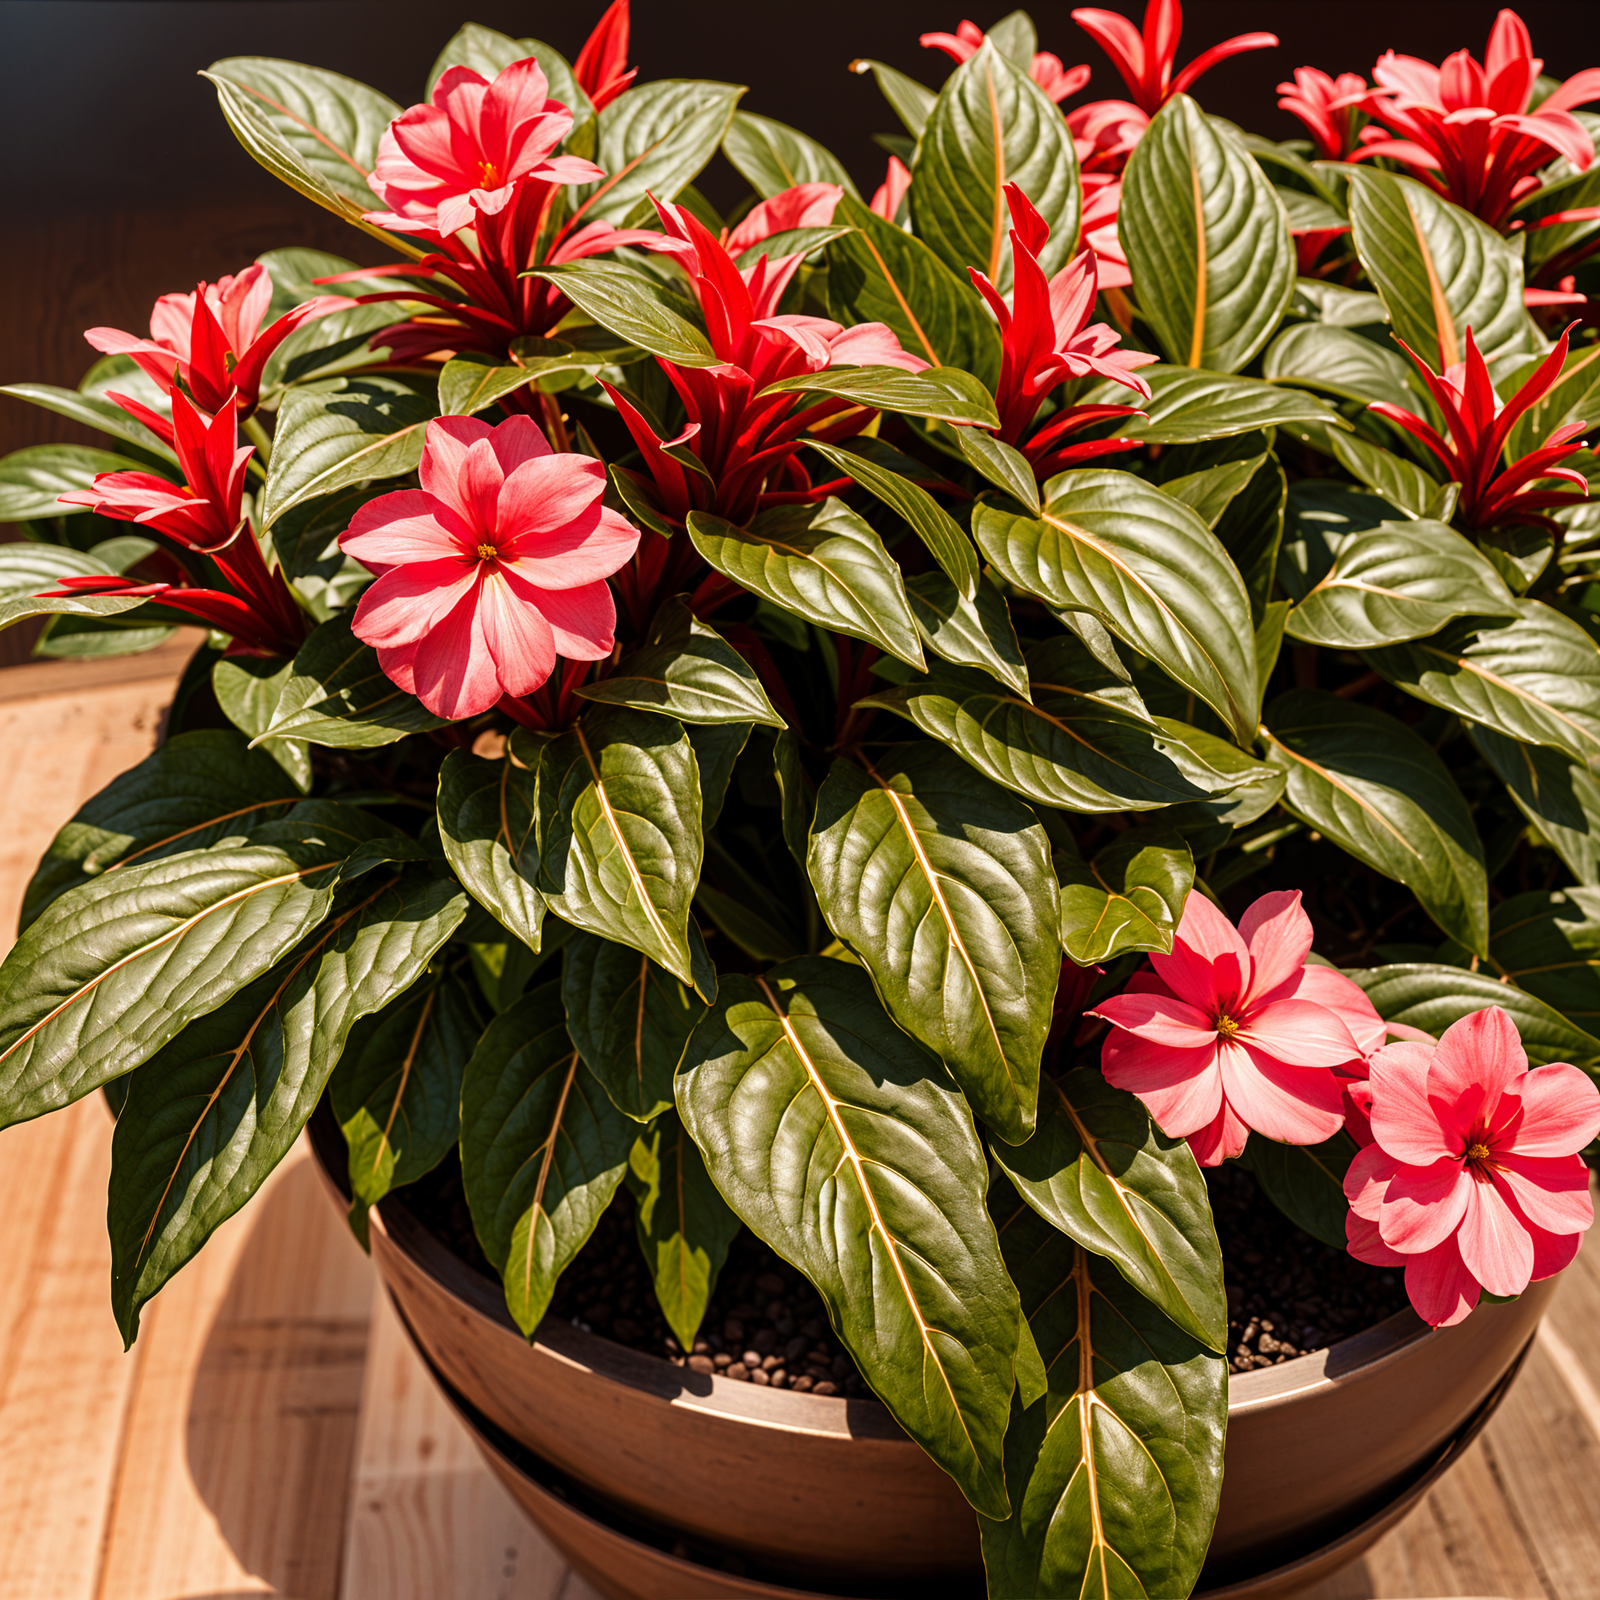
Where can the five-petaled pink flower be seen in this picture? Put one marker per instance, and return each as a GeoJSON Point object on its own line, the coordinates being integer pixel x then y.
{"type": "Point", "coordinates": [211, 340]}
{"type": "Point", "coordinates": [490, 570]}
{"type": "Point", "coordinates": [440, 165]}
{"type": "Point", "coordinates": [1045, 69]}
{"type": "Point", "coordinates": [1329, 107]}
{"type": "Point", "coordinates": [601, 66]}
{"type": "Point", "coordinates": [1472, 1178]}
{"type": "Point", "coordinates": [1467, 129]}
{"type": "Point", "coordinates": [1479, 422]}
{"type": "Point", "coordinates": [1233, 1031]}
{"type": "Point", "coordinates": [1046, 338]}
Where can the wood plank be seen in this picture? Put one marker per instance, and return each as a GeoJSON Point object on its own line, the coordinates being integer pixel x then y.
{"type": "Point", "coordinates": [427, 1518]}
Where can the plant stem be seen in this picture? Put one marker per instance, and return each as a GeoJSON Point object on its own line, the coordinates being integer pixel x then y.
{"type": "Point", "coordinates": [260, 438]}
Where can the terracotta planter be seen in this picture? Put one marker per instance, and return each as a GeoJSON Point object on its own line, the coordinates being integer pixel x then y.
{"type": "Point", "coordinates": [828, 1494]}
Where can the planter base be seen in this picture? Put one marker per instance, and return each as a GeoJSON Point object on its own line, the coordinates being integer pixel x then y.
{"type": "Point", "coordinates": [628, 1561]}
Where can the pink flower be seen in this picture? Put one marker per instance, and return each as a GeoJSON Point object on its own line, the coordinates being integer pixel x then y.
{"type": "Point", "coordinates": [601, 67]}
{"type": "Point", "coordinates": [1473, 1178]}
{"type": "Point", "coordinates": [807, 205]}
{"type": "Point", "coordinates": [1233, 1031]}
{"type": "Point", "coordinates": [490, 570]}
{"type": "Point", "coordinates": [1329, 107]}
{"type": "Point", "coordinates": [1046, 70]}
{"type": "Point", "coordinates": [1145, 59]}
{"type": "Point", "coordinates": [442, 165]}
{"type": "Point", "coordinates": [211, 340]}
{"type": "Point", "coordinates": [1102, 198]}
{"type": "Point", "coordinates": [1466, 129]}
{"type": "Point", "coordinates": [888, 195]}
{"type": "Point", "coordinates": [1104, 134]}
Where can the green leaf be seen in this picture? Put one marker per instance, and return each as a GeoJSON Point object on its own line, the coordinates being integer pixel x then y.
{"type": "Point", "coordinates": [1423, 995]}
{"type": "Point", "coordinates": [1187, 406]}
{"type": "Point", "coordinates": [324, 347]}
{"type": "Point", "coordinates": [1399, 581]}
{"type": "Point", "coordinates": [1246, 789]}
{"type": "Point", "coordinates": [1320, 516]}
{"type": "Point", "coordinates": [908, 99]}
{"type": "Point", "coordinates": [620, 809]}
{"type": "Point", "coordinates": [337, 694]}
{"type": "Point", "coordinates": [652, 141]}
{"type": "Point", "coordinates": [106, 975]}
{"type": "Point", "coordinates": [1368, 783]}
{"type": "Point", "coordinates": [1438, 269]}
{"type": "Point", "coordinates": [1339, 361]}
{"type": "Point", "coordinates": [1534, 678]}
{"type": "Point", "coordinates": [1560, 798]}
{"type": "Point", "coordinates": [939, 531]}
{"type": "Point", "coordinates": [1305, 1182]}
{"type": "Point", "coordinates": [1101, 1171]}
{"type": "Point", "coordinates": [1548, 942]}
{"type": "Point", "coordinates": [542, 1150]}
{"type": "Point", "coordinates": [716, 748]}
{"type": "Point", "coordinates": [880, 273]}
{"type": "Point", "coordinates": [687, 670]}
{"type": "Point", "coordinates": [771, 157]}
{"type": "Point", "coordinates": [976, 632]}
{"type": "Point", "coordinates": [306, 543]}
{"type": "Point", "coordinates": [1250, 529]}
{"type": "Point", "coordinates": [823, 563]}
{"type": "Point", "coordinates": [1400, 482]}
{"type": "Point", "coordinates": [248, 689]}
{"type": "Point", "coordinates": [946, 394]}
{"type": "Point", "coordinates": [1207, 240]}
{"type": "Point", "coordinates": [630, 1020]}
{"type": "Point", "coordinates": [1147, 568]}
{"type": "Point", "coordinates": [1129, 897]}
{"type": "Point", "coordinates": [993, 125]}
{"type": "Point", "coordinates": [1007, 469]}
{"type": "Point", "coordinates": [220, 1106]}
{"type": "Point", "coordinates": [92, 411]}
{"type": "Point", "coordinates": [848, 1150]}
{"type": "Point", "coordinates": [188, 794]}
{"type": "Point", "coordinates": [397, 1089]}
{"type": "Point", "coordinates": [1114, 1475]}
{"type": "Point", "coordinates": [468, 385]}
{"type": "Point", "coordinates": [799, 796]}
{"type": "Point", "coordinates": [685, 1226]}
{"type": "Point", "coordinates": [488, 825]}
{"type": "Point", "coordinates": [634, 306]}
{"type": "Point", "coordinates": [341, 432]}
{"type": "Point", "coordinates": [1567, 401]}
{"type": "Point", "coordinates": [33, 480]}
{"type": "Point", "coordinates": [1209, 493]}
{"type": "Point", "coordinates": [27, 567]}
{"type": "Point", "coordinates": [941, 883]}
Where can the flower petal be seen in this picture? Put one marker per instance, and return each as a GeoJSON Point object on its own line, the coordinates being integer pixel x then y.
{"type": "Point", "coordinates": [1181, 1089]}
{"type": "Point", "coordinates": [1404, 1120]}
{"type": "Point", "coordinates": [1160, 1019]}
{"type": "Point", "coordinates": [1366, 1181]}
{"type": "Point", "coordinates": [1440, 1288]}
{"type": "Point", "coordinates": [402, 527]}
{"type": "Point", "coordinates": [1551, 1192]}
{"type": "Point", "coordinates": [453, 669]}
{"type": "Point", "coordinates": [1209, 964]}
{"type": "Point", "coordinates": [1560, 1111]}
{"type": "Point", "coordinates": [1476, 1059]}
{"type": "Point", "coordinates": [1423, 1205]}
{"type": "Point", "coordinates": [1278, 933]}
{"type": "Point", "coordinates": [1294, 1105]}
{"type": "Point", "coordinates": [582, 621]}
{"type": "Point", "coordinates": [1223, 1138]}
{"type": "Point", "coordinates": [1300, 1033]}
{"type": "Point", "coordinates": [1495, 1245]}
{"type": "Point", "coordinates": [516, 635]}
{"type": "Point", "coordinates": [406, 603]}
{"type": "Point", "coordinates": [1326, 986]}
{"type": "Point", "coordinates": [1365, 1243]}
{"type": "Point", "coordinates": [1552, 1252]}
{"type": "Point", "coordinates": [444, 459]}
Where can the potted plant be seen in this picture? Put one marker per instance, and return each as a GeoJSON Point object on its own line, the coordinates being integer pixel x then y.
{"type": "Point", "coordinates": [922, 748]}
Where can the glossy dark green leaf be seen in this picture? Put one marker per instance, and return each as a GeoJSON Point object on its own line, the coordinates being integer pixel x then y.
{"type": "Point", "coordinates": [1306, 1182]}
{"type": "Point", "coordinates": [468, 386]}
{"type": "Point", "coordinates": [1367, 782]}
{"type": "Point", "coordinates": [823, 563]}
{"type": "Point", "coordinates": [686, 669]}
{"type": "Point", "coordinates": [771, 157]}
{"type": "Point", "coordinates": [1114, 1475]}
{"type": "Point", "coordinates": [1246, 789]}
{"type": "Point", "coordinates": [1101, 1171]}
{"type": "Point", "coordinates": [1187, 406]}
{"type": "Point", "coordinates": [1129, 896]}
{"type": "Point", "coordinates": [629, 1019]}
{"type": "Point", "coordinates": [488, 824]}
{"type": "Point", "coordinates": [939, 531]}
{"type": "Point", "coordinates": [635, 307]}
{"type": "Point", "coordinates": [1209, 492]}
{"type": "Point", "coordinates": [716, 749]}
{"type": "Point", "coordinates": [337, 694]}
{"type": "Point", "coordinates": [27, 568]}
{"type": "Point", "coordinates": [993, 125]}
{"type": "Point", "coordinates": [799, 796]}
{"type": "Point", "coordinates": [92, 411]}
{"type": "Point", "coordinates": [1561, 798]}
{"type": "Point", "coordinates": [345, 431]}
{"type": "Point", "coordinates": [847, 1148]}
{"type": "Point", "coordinates": [1397, 480]}
{"type": "Point", "coordinates": [1007, 469]}
{"type": "Point", "coordinates": [32, 480]}
{"type": "Point", "coordinates": [945, 394]}
{"type": "Point", "coordinates": [620, 809]}
{"type": "Point", "coordinates": [1250, 529]}
{"type": "Point", "coordinates": [942, 884]}
{"type": "Point", "coordinates": [1207, 240]}
{"type": "Point", "coordinates": [1320, 516]}
{"type": "Point", "coordinates": [1147, 568]}
{"type": "Point", "coordinates": [1535, 677]}
{"type": "Point", "coordinates": [1339, 361]}
{"type": "Point", "coordinates": [1548, 942]}
{"type": "Point", "coordinates": [248, 689]}
{"type": "Point", "coordinates": [1423, 995]}
{"type": "Point", "coordinates": [215, 1111]}
{"type": "Point", "coordinates": [1399, 581]}
{"type": "Point", "coordinates": [975, 633]}
{"type": "Point", "coordinates": [397, 1088]}
{"type": "Point", "coordinates": [193, 790]}
{"type": "Point", "coordinates": [908, 99]}
{"type": "Point", "coordinates": [542, 1150]}
{"type": "Point", "coordinates": [684, 1224]}
{"type": "Point", "coordinates": [880, 273]}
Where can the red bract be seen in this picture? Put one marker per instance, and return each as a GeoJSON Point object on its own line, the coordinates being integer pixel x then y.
{"type": "Point", "coordinates": [602, 65]}
{"type": "Point", "coordinates": [1233, 1031]}
{"type": "Point", "coordinates": [1472, 1178]}
{"type": "Point", "coordinates": [1329, 107]}
{"type": "Point", "coordinates": [1046, 70]}
{"type": "Point", "coordinates": [1145, 60]}
{"type": "Point", "coordinates": [1104, 133]}
{"type": "Point", "coordinates": [1102, 196]}
{"type": "Point", "coordinates": [211, 341]}
{"type": "Point", "coordinates": [490, 570]}
{"type": "Point", "coordinates": [202, 515]}
{"type": "Point", "coordinates": [1046, 338]}
{"type": "Point", "coordinates": [1467, 130]}
{"type": "Point", "coordinates": [888, 195]}
{"type": "Point", "coordinates": [744, 440]}
{"type": "Point", "coordinates": [1493, 495]}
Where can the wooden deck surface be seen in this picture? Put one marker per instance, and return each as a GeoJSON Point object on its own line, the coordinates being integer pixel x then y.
{"type": "Point", "coordinates": [272, 1434]}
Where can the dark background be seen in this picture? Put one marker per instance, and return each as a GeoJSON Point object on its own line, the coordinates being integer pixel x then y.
{"type": "Point", "coordinates": [120, 181]}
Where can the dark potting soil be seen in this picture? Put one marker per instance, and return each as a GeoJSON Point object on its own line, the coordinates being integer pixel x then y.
{"type": "Point", "coordinates": [1288, 1294]}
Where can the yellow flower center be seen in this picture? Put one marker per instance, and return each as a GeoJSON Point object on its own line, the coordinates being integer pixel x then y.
{"type": "Point", "coordinates": [1227, 1026]}
{"type": "Point", "coordinates": [488, 175]}
{"type": "Point", "coordinates": [487, 552]}
{"type": "Point", "coordinates": [1477, 1152]}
